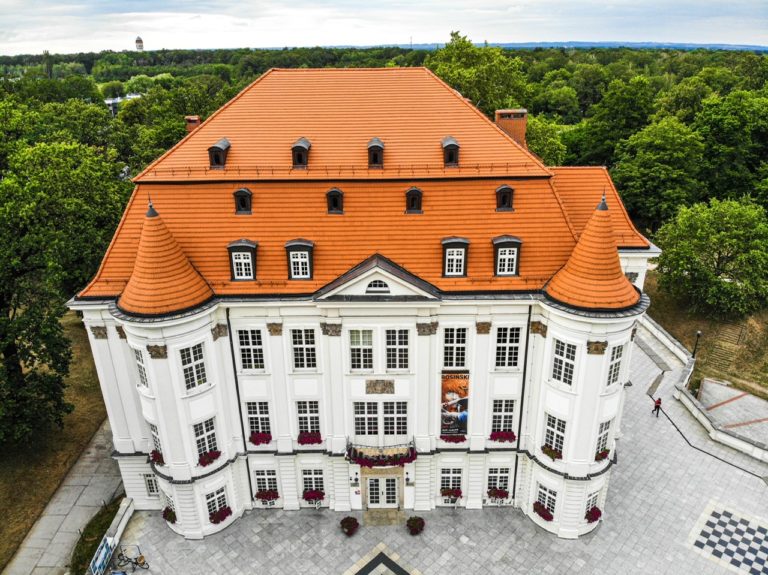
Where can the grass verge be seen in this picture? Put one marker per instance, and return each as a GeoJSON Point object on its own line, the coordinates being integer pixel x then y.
{"type": "Point", "coordinates": [91, 536]}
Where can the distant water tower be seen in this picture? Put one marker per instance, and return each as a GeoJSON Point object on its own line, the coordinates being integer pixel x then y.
{"type": "Point", "coordinates": [139, 44]}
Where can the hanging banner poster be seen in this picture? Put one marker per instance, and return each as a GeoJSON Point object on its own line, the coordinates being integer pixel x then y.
{"type": "Point", "coordinates": [455, 404]}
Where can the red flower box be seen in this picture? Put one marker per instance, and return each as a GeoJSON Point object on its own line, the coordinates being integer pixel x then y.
{"type": "Point", "coordinates": [600, 455]}
{"type": "Point", "coordinates": [593, 514]}
{"type": "Point", "coordinates": [498, 493]}
{"type": "Point", "coordinates": [542, 511]}
{"type": "Point", "coordinates": [313, 495]}
{"type": "Point", "coordinates": [451, 492]}
{"type": "Point", "coordinates": [169, 515]}
{"type": "Point", "coordinates": [156, 457]}
{"type": "Point", "coordinates": [208, 457]}
{"type": "Point", "coordinates": [218, 516]}
{"type": "Point", "coordinates": [551, 452]}
{"type": "Point", "coordinates": [267, 494]}
{"type": "Point", "coordinates": [415, 525]}
{"type": "Point", "coordinates": [260, 438]}
{"type": "Point", "coordinates": [309, 438]}
{"type": "Point", "coordinates": [349, 525]}
{"type": "Point", "coordinates": [454, 438]}
{"type": "Point", "coordinates": [503, 436]}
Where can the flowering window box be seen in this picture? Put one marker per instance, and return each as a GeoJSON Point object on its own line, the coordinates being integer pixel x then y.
{"type": "Point", "coordinates": [156, 457]}
{"type": "Point", "coordinates": [542, 511]}
{"type": "Point", "coordinates": [313, 496]}
{"type": "Point", "coordinates": [267, 496]}
{"type": "Point", "coordinates": [551, 452]}
{"type": "Point", "coordinates": [208, 457]}
{"type": "Point", "coordinates": [453, 438]}
{"type": "Point", "coordinates": [260, 438]}
{"type": "Point", "coordinates": [497, 493]}
{"type": "Point", "coordinates": [600, 455]}
{"type": "Point", "coordinates": [453, 494]}
{"type": "Point", "coordinates": [169, 515]}
{"type": "Point", "coordinates": [503, 436]}
{"type": "Point", "coordinates": [593, 514]}
{"type": "Point", "coordinates": [309, 438]}
{"type": "Point", "coordinates": [218, 516]}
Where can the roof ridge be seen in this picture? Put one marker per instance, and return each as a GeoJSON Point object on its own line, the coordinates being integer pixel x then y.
{"type": "Point", "coordinates": [563, 210]}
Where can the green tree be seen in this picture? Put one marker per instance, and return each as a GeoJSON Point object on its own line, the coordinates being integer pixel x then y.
{"type": "Point", "coordinates": [561, 102]}
{"type": "Point", "coordinates": [543, 138]}
{"type": "Point", "coordinates": [657, 171]}
{"type": "Point", "coordinates": [685, 99]}
{"type": "Point", "coordinates": [716, 256]}
{"type": "Point", "coordinates": [589, 81]}
{"type": "Point", "coordinates": [113, 89]}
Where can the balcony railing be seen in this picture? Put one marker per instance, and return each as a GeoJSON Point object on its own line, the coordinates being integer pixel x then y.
{"type": "Point", "coordinates": [389, 456]}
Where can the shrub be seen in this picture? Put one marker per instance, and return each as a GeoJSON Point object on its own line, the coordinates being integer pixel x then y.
{"type": "Point", "coordinates": [267, 495]}
{"type": "Point", "coordinates": [208, 457]}
{"type": "Point", "coordinates": [260, 438]}
{"type": "Point", "coordinates": [309, 438]}
{"type": "Point", "coordinates": [415, 525]}
{"type": "Point", "coordinates": [600, 455]}
{"type": "Point", "coordinates": [313, 495]}
{"type": "Point", "coordinates": [508, 436]}
{"type": "Point", "coordinates": [593, 514]}
{"type": "Point", "coordinates": [156, 457]}
{"type": "Point", "coordinates": [551, 452]}
{"type": "Point", "coordinates": [218, 516]}
{"type": "Point", "coordinates": [169, 515]}
{"type": "Point", "coordinates": [349, 525]}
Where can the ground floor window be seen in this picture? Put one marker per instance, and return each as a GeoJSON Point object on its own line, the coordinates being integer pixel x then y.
{"type": "Point", "coordinates": [169, 502]}
{"type": "Point", "coordinates": [150, 481]}
{"type": "Point", "coordinates": [450, 478]}
{"type": "Point", "coordinates": [313, 479]}
{"type": "Point", "coordinates": [266, 479]}
{"type": "Point", "coordinates": [498, 478]}
{"type": "Point", "coordinates": [216, 501]}
{"type": "Point", "coordinates": [592, 501]}
{"type": "Point", "coordinates": [548, 498]}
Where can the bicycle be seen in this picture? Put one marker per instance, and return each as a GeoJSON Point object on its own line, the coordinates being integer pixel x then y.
{"type": "Point", "coordinates": [138, 560]}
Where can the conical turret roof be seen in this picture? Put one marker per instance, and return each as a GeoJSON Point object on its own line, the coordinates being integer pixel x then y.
{"type": "Point", "coordinates": [163, 280]}
{"type": "Point", "coordinates": [592, 277]}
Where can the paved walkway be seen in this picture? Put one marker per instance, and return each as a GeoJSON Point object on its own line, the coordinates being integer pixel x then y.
{"type": "Point", "coordinates": [744, 414]}
{"type": "Point", "coordinates": [93, 479]}
{"type": "Point", "coordinates": [671, 509]}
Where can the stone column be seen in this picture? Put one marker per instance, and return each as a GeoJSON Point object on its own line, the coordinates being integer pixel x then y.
{"type": "Point", "coordinates": [290, 489]}
{"type": "Point", "coordinates": [280, 364]}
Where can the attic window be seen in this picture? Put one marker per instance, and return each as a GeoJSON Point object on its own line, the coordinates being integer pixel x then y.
{"type": "Point", "coordinates": [243, 201]}
{"type": "Point", "coordinates": [242, 260]}
{"type": "Point", "coordinates": [506, 255]}
{"type": "Point", "coordinates": [450, 152]}
{"type": "Point", "coordinates": [217, 154]}
{"type": "Point", "coordinates": [504, 196]}
{"type": "Point", "coordinates": [335, 199]}
{"type": "Point", "coordinates": [300, 259]}
{"type": "Point", "coordinates": [377, 286]}
{"type": "Point", "coordinates": [455, 256]}
{"type": "Point", "coordinates": [413, 201]}
{"type": "Point", "coordinates": [300, 151]}
{"type": "Point", "coordinates": [375, 153]}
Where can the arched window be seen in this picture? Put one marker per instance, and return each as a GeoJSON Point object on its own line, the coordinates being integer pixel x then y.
{"type": "Point", "coordinates": [300, 152]}
{"type": "Point", "coordinates": [335, 199]}
{"type": "Point", "coordinates": [217, 154]}
{"type": "Point", "coordinates": [243, 201]}
{"type": "Point", "coordinates": [377, 286]}
{"type": "Point", "coordinates": [506, 255]}
{"type": "Point", "coordinates": [375, 153]}
{"type": "Point", "coordinates": [413, 201]}
{"type": "Point", "coordinates": [504, 196]}
{"type": "Point", "coordinates": [450, 152]}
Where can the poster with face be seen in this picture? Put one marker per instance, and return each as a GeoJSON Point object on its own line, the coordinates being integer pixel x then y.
{"type": "Point", "coordinates": [455, 404]}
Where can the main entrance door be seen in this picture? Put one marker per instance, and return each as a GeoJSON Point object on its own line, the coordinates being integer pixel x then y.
{"type": "Point", "coordinates": [382, 492]}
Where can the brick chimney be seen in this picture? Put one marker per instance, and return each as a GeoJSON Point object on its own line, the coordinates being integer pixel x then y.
{"type": "Point", "coordinates": [513, 122]}
{"type": "Point", "coordinates": [192, 123]}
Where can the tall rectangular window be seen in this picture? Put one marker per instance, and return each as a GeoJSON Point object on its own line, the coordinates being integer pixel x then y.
{"type": "Point", "coordinates": [455, 347]}
{"type": "Point", "coordinates": [169, 502]}
{"type": "Point", "coordinates": [216, 501]}
{"type": "Point", "coordinates": [563, 362]}
{"type": "Point", "coordinates": [258, 416]}
{"type": "Point", "coordinates": [205, 436]}
{"type": "Point", "coordinates": [454, 261]}
{"type": "Point", "coordinates": [614, 368]}
{"type": "Point", "coordinates": [547, 497]}
{"type": "Point", "coordinates": [602, 436]}
{"type": "Point", "coordinates": [312, 479]}
{"type": "Point", "coordinates": [150, 482]}
{"type": "Point", "coordinates": [591, 501]}
{"type": "Point", "coordinates": [143, 379]}
{"type": "Point", "coordinates": [155, 437]}
{"type": "Point", "coordinates": [361, 349]}
{"type": "Point", "coordinates": [507, 346]}
{"type": "Point", "coordinates": [366, 418]}
{"type": "Point", "coordinates": [397, 348]}
{"type": "Point", "coordinates": [395, 418]}
{"type": "Point", "coordinates": [193, 366]}
{"type": "Point", "coordinates": [251, 349]}
{"type": "Point", "coordinates": [265, 479]}
{"type": "Point", "coordinates": [450, 478]}
{"type": "Point", "coordinates": [498, 478]}
{"type": "Point", "coordinates": [304, 351]}
{"type": "Point", "coordinates": [299, 265]}
{"type": "Point", "coordinates": [506, 262]}
{"type": "Point", "coordinates": [308, 416]}
{"type": "Point", "coordinates": [503, 416]}
{"type": "Point", "coordinates": [242, 265]}
{"type": "Point", "coordinates": [554, 435]}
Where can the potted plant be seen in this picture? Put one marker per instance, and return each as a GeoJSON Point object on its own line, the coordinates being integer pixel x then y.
{"type": "Point", "coordinates": [266, 495]}
{"type": "Point", "coordinates": [542, 511]}
{"type": "Point", "coordinates": [260, 438]}
{"type": "Point", "coordinates": [600, 455]}
{"type": "Point", "coordinates": [454, 493]}
{"type": "Point", "coordinates": [503, 436]}
{"type": "Point", "coordinates": [218, 516]}
{"type": "Point", "coordinates": [454, 438]}
{"type": "Point", "coordinates": [156, 457]}
{"type": "Point", "coordinates": [313, 496]}
{"type": "Point", "coordinates": [169, 515]}
{"type": "Point", "coordinates": [551, 452]}
{"type": "Point", "coordinates": [309, 438]}
{"type": "Point", "coordinates": [349, 525]}
{"type": "Point", "coordinates": [415, 525]}
{"type": "Point", "coordinates": [498, 493]}
{"type": "Point", "coordinates": [208, 457]}
{"type": "Point", "coordinates": [593, 514]}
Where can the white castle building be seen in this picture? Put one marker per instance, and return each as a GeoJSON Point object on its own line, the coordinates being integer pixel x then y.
{"type": "Point", "coordinates": [350, 289]}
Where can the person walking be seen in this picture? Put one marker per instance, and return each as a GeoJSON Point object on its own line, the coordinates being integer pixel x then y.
{"type": "Point", "coordinates": [656, 407]}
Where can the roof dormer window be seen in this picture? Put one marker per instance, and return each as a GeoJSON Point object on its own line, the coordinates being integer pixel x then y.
{"type": "Point", "coordinates": [450, 152]}
{"type": "Point", "coordinates": [335, 199]}
{"type": "Point", "coordinates": [455, 257]}
{"type": "Point", "coordinates": [375, 153]}
{"type": "Point", "coordinates": [377, 286]}
{"type": "Point", "coordinates": [300, 151]}
{"type": "Point", "coordinates": [217, 154]}
{"type": "Point", "coordinates": [300, 261]}
{"type": "Point", "coordinates": [243, 201]}
{"type": "Point", "coordinates": [506, 255]}
{"type": "Point", "coordinates": [242, 259]}
{"type": "Point", "coordinates": [413, 201]}
{"type": "Point", "coordinates": [504, 196]}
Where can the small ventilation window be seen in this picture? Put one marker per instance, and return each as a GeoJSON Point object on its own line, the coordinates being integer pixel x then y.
{"type": "Point", "coordinates": [450, 152]}
{"type": "Point", "coordinates": [377, 286]}
{"type": "Point", "coordinates": [243, 201]}
{"type": "Point", "coordinates": [375, 153]}
{"type": "Point", "coordinates": [413, 201]}
{"type": "Point", "coordinates": [300, 152]}
{"type": "Point", "coordinates": [335, 200]}
{"type": "Point", "coordinates": [504, 196]}
{"type": "Point", "coordinates": [217, 154]}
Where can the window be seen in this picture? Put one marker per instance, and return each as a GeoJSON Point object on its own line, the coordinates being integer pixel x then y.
{"type": "Point", "coordinates": [242, 266]}
{"type": "Point", "coordinates": [335, 199]}
{"type": "Point", "coordinates": [243, 198]}
{"type": "Point", "coordinates": [251, 349]}
{"type": "Point", "coordinates": [265, 479]}
{"type": "Point", "coordinates": [155, 437]}
{"type": "Point", "coordinates": [507, 346]}
{"type": "Point", "coordinates": [450, 478]}
{"type": "Point", "coordinates": [397, 348]}
{"type": "Point", "coordinates": [193, 366]}
{"type": "Point", "coordinates": [503, 415]}
{"type": "Point", "coordinates": [150, 482]}
{"type": "Point", "coordinates": [413, 201]}
{"type": "Point", "coordinates": [366, 418]}
{"type": "Point", "coordinates": [504, 199]}
{"type": "Point", "coordinates": [361, 349]}
{"type": "Point", "coordinates": [375, 153]}
{"type": "Point", "coordinates": [454, 346]}
{"type": "Point", "coordinates": [299, 259]}
{"type": "Point", "coordinates": [563, 362]}
{"type": "Point", "coordinates": [169, 502]}
{"type": "Point", "coordinates": [258, 416]}
{"type": "Point", "coordinates": [312, 479]}
{"type": "Point", "coordinates": [450, 152]}
{"type": "Point", "coordinates": [205, 436]}
{"type": "Point", "coordinates": [614, 369]}
{"type": "Point", "coordinates": [602, 436]}
{"type": "Point", "coordinates": [547, 497]}
{"type": "Point", "coordinates": [377, 286]}
{"type": "Point", "coordinates": [395, 418]}
{"type": "Point", "coordinates": [454, 262]}
{"type": "Point", "coordinates": [591, 501]}
{"type": "Point", "coordinates": [554, 435]}
{"type": "Point", "coordinates": [139, 355]}
{"type": "Point", "coordinates": [217, 154]}
{"type": "Point", "coordinates": [304, 352]}
{"type": "Point", "coordinates": [216, 501]}
{"type": "Point", "coordinates": [498, 478]}
{"type": "Point", "coordinates": [506, 263]}
{"type": "Point", "coordinates": [299, 265]}
{"type": "Point", "coordinates": [300, 153]}
{"type": "Point", "coordinates": [308, 416]}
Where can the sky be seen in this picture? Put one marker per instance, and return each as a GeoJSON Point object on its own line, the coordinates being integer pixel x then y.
{"type": "Point", "coordinates": [66, 26]}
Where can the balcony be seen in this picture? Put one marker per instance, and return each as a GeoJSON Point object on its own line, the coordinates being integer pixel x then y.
{"type": "Point", "coordinates": [388, 456]}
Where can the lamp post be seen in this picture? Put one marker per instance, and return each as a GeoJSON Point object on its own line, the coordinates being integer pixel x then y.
{"type": "Point", "coordinates": [696, 345]}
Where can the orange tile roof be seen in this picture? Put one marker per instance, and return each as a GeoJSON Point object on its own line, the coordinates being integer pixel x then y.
{"type": "Point", "coordinates": [592, 277]}
{"type": "Point", "coordinates": [162, 279]}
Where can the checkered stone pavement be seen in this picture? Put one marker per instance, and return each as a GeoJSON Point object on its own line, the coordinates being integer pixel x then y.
{"type": "Point", "coordinates": [735, 541]}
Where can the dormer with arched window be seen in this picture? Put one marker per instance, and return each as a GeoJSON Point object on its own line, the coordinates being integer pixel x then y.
{"type": "Point", "coordinates": [375, 153]}
{"type": "Point", "coordinates": [506, 255]}
{"type": "Point", "coordinates": [217, 154]}
{"type": "Point", "coordinates": [413, 201]}
{"type": "Point", "coordinates": [243, 199]}
{"type": "Point", "coordinates": [450, 152]}
{"type": "Point", "coordinates": [504, 197]}
{"type": "Point", "coordinates": [335, 199]}
{"type": "Point", "coordinates": [300, 153]}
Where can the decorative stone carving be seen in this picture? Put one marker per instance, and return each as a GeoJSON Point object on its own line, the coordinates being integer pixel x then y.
{"type": "Point", "coordinates": [275, 328]}
{"type": "Point", "coordinates": [99, 331]}
{"type": "Point", "coordinates": [120, 331]}
{"type": "Point", "coordinates": [483, 327]}
{"type": "Point", "coordinates": [539, 328]}
{"type": "Point", "coordinates": [634, 332]}
{"type": "Point", "coordinates": [331, 329]}
{"type": "Point", "coordinates": [219, 330]}
{"type": "Point", "coordinates": [631, 276]}
{"type": "Point", "coordinates": [596, 347]}
{"type": "Point", "coordinates": [379, 386]}
{"type": "Point", "coordinates": [157, 351]}
{"type": "Point", "coordinates": [426, 328]}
